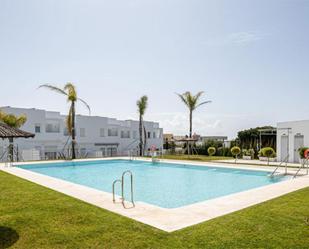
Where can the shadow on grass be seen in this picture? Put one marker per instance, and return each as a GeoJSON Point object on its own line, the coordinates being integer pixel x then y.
{"type": "Point", "coordinates": [8, 237]}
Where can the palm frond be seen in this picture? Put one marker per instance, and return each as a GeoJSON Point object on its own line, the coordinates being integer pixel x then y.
{"type": "Point", "coordinates": [183, 98]}
{"type": "Point", "coordinates": [20, 121]}
{"type": "Point", "coordinates": [142, 105]}
{"type": "Point", "coordinates": [198, 95]}
{"type": "Point", "coordinates": [203, 103]}
{"type": "Point", "coordinates": [71, 91]}
{"type": "Point", "coordinates": [85, 103]}
{"type": "Point", "coordinates": [53, 88]}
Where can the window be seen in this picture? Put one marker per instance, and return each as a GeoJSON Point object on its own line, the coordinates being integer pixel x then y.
{"type": "Point", "coordinates": [52, 128]}
{"type": "Point", "coordinates": [82, 132]}
{"type": "Point", "coordinates": [37, 128]}
{"type": "Point", "coordinates": [66, 132]}
{"type": "Point", "coordinates": [134, 134]}
{"type": "Point", "coordinates": [113, 132]}
{"type": "Point", "coordinates": [102, 132]}
{"type": "Point", "coordinates": [154, 135]}
{"type": "Point", "coordinates": [148, 134]}
{"type": "Point", "coordinates": [103, 151]}
{"type": "Point", "coordinates": [125, 134]}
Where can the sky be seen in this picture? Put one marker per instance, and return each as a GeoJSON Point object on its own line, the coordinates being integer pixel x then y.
{"type": "Point", "coordinates": [251, 59]}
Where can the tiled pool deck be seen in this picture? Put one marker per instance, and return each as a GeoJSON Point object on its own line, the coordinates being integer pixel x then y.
{"type": "Point", "coordinates": [174, 219]}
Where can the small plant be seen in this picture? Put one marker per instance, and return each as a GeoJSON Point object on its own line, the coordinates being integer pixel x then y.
{"type": "Point", "coordinates": [235, 152]}
{"type": "Point", "coordinates": [268, 152]}
{"type": "Point", "coordinates": [248, 153]}
{"type": "Point", "coordinates": [211, 151]}
{"type": "Point", "coordinates": [301, 152]}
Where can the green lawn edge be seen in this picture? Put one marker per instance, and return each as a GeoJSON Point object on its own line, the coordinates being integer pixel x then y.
{"type": "Point", "coordinates": [43, 218]}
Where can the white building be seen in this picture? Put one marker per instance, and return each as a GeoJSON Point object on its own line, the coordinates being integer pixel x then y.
{"type": "Point", "coordinates": [290, 137]}
{"type": "Point", "coordinates": [96, 136]}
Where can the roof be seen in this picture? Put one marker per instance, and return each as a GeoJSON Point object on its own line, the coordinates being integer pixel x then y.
{"type": "Point", "coordinates": [10, 132]}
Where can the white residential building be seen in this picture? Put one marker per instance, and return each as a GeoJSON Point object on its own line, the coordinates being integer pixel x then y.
{"type": "Point", "coordinates": [290, 137]}
{"type": "Point", "coordinates": [96, 136]}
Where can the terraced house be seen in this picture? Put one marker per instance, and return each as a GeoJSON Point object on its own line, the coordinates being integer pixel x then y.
{"type": "Point", "coordinates": [96, 136]}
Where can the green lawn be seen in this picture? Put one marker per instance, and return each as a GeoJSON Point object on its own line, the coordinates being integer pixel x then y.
{"type": "Point", "coordinates": [195, 157]}
{"type": "Point", "coordinates": [36, 217]}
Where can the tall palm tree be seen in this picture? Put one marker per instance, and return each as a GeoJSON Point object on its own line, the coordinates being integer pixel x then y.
{"type": "Point", "coordinates": [69, 90]}
{"type": "Point", "coordinates": [141, 108]}
{"type": "Point", "coordinates": [192, 102]}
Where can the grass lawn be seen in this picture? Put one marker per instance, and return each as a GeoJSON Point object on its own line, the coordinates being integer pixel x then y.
{"type": "Point", "coordinates": [196, 157]}
{"type": "Point", "coordinates": [35, 217]}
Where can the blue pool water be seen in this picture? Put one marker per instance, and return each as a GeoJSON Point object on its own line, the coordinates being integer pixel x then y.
{"type": "Point", "coordinates": [161, 184]}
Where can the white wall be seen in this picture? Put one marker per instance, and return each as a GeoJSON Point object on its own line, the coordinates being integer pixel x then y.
{"type": "Point", "coordinates": [91, 125]}
{"type": "Point", "coordinates": [292, 130]}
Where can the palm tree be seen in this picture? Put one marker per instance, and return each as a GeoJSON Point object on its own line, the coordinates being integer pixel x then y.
{"type": "Point", "coordinates": [12, 121]}
{"type": "Point", "coordinates": [69, 90]}
{"type": "Point", "coordinates": [192, 102]}
{"type": "Point", "coordinates": [141, 108]}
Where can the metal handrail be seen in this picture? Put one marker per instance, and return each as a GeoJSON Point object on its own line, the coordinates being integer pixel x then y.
{"type": "Point", "coordinates": [302, 166]}
{"type": "Point", "coordinates": [114, 183]}
{"type": "Point", "coordinates": [122, 189]}
{"type": "Point", "coordinates": [286, 159]}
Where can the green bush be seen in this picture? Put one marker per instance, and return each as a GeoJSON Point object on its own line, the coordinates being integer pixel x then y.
{"type": "Point", "coordinates": [268, 152]}
{"type": "Point", "coordinates": [301, 152]}
{"type": "Point", "coordinates": [249, 152]}
{"type": "Point", "coordinates": [211, 151]}
{"type": "Point", "coordinates": [235, 151]}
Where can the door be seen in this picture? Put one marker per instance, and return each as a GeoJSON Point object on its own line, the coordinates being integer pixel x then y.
{"type": "Point", "coordinates": [298, 143]}
{"type": "Point", "coordinates": [284, 147]}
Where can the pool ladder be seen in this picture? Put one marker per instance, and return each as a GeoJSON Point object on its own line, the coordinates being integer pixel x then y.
{"type": "Point", "coordinates": [122, 189]}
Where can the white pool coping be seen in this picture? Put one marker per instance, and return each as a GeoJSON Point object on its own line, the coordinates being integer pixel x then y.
{"type": "Point", "coordinates": [168, 220]}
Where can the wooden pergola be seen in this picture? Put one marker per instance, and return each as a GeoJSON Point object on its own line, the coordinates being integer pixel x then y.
{"type": "Point", "coordinates": [8, 132]}
{"type": "Point", "coordinates": [189, 141]}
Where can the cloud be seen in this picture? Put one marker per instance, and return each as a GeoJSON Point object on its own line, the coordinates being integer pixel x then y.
{"type": "Point", "coordinates": [245, 37]}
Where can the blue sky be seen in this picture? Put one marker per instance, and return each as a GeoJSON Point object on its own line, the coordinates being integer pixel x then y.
{"type": "Point", "coordinates": [250, 57]}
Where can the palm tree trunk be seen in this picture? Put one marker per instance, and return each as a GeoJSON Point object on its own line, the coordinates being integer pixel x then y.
{"type": "Point", "coordinates": [190, 132]}
{"type": "Point", "coordinates": [145, 140]}
{"type": "Point", "coordinates": [140, 135]}
{"type": "Point", "coordinates": [73, 130]}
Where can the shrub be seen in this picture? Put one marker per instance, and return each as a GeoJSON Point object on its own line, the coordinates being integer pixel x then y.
{"type": "Point", "coordinates": [301, 152]}
{"type": "Point", "coordinates": [268, 152]}
{"type": "Point", "coordinates": [235, 151]}
{"type": "Point", "coordinates": [249, 152]}
{"type": "Point", "coordinates": [211, 151]}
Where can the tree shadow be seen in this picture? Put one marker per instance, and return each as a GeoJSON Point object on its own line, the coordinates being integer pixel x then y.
{"type": "Point", "coordinates": [8, 237]}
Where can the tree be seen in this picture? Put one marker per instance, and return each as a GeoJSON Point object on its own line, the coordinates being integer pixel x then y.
{"type": "Point", "coordinates": [69, 90]}
{"type": "Point", "coordinates": [141, 109]}
{"type": "Point", "coordinates": [12, 121]}
{"type": "Point", "coordinates": [268, 152]}
{"type": "Point", "coordinates": [235, 152]}
{"type": "Point", "coordinates": [211, 151]}
{"type": "Point", "coordinates": [192, 102]}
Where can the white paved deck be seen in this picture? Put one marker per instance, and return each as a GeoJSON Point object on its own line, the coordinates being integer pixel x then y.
{"type": "Point", "coordinates": [169, 219]}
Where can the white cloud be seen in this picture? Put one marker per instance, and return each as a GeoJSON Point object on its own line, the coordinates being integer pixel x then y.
{"type": "Point", "coordinates": [245, 37]}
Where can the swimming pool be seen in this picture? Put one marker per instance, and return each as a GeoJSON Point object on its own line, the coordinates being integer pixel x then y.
{"type": "Point", "coordinates": [167, 185]}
